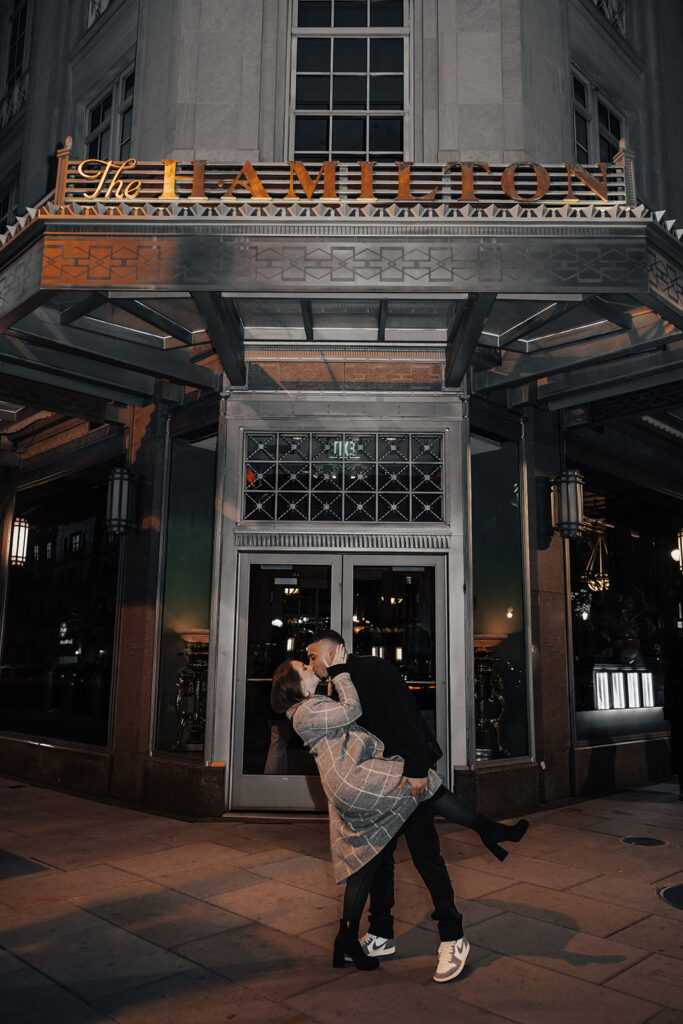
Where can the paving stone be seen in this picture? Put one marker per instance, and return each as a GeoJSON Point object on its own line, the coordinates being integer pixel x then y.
{"type": "Point", "coordinates": [195, 997]}
{"type": "Point", "coordinates": [627, 893]}
{"type": "Point", "coordinates": [591, 825]}
{"type": "Point", "coordinates": [26, 997]}
{"type": "Point", "coordinates": [645, 864]}
{"type": "Point", "coordinates": [470, 884]}
{"type": "Point", "coordinates": [51, 886]}
{"type": "Point", "coordinates": [655, 933]}
{"type": "Point", "coordinates": [205, 883]}
{"type": "Point", "coordinates": [304, 872]}
{"type": "Point", "coordinates": [659, 976]}
{"type": "Point", "coordinates": [529, 994]}
{"type": "Point", "coordinates": [165, 917]}
{"type": "Point", "coordinates": [558, 948]}
{"type": "Point", "coordinates": [175, 858]}
{"type": "Point", "coordinates": [281, 906]}
{"type": "Point", "coordinates": [666, 1017]}
{"type": "Point", "coordinates": [30, 929]}
{"type": "Point", "coordinates": [269, 962]}
{"type": "Point", "coordinates": [558, 907]}
{"type": "Point", "coordinates": [103, 959]}
{"type": "Point", "coordinates": [9, 963]}
{"type": "Point", "coordinates": [383, 998]}
{"type": "Point", "coordinates": [520, 868]}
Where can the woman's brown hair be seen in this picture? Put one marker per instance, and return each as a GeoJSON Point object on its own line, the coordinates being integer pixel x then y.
{"type": "Point", "coordinates": [286, 688]}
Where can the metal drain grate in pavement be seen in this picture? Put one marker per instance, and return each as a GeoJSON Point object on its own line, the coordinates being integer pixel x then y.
{"type": "Point", "coordinates": [673, 894]}
{"type": "Point", "coordinates": [643, 841]}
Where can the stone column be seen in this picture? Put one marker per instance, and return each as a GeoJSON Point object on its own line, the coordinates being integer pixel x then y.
{"type": "Point", "coordinates": [551, 697]}
{"type": "Point", "coordinates": [134, 692]}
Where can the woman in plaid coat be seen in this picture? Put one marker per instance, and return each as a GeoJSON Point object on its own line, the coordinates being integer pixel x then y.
{"type": "Point", "coordinates": [368, 800]}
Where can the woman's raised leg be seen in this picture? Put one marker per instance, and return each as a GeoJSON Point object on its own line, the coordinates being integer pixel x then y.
{"type": "Point", "coordinates": [489, 831]}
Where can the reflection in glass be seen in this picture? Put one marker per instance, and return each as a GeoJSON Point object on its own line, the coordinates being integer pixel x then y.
{"type": "Point", "coordinates": [349, 92]}
{"type": "Point", "coordinates": [314, 13]}
{"type": "Point", "coordinates": [311, 133]}
{"type": "Point", "coordinates": [625, 594]}
{"type": "Point", "coordinates": [394, 618]}
{"type": "Point", "coordinates": [386, 55]}
{"type": "Point", "coordinates": [313, 55]}
{"type": "Point", "coordinates": [288, 604]}
{"type": "Point", "coordinates": [498, 607]}
{"type": "Point", "coordinates": [56, 666]}
{"type": "Point", "coordinates": [313, 91]}
{"type": "Point", "coordinates": [350, 54]}
{"type": "Point", "coordinates": [181, 701]}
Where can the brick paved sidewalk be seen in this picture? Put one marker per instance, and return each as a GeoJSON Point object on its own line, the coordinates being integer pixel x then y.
{"type": "Point", "coordinates": [111, 914]}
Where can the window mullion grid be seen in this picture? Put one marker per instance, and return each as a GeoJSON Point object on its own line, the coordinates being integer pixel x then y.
{"type": "Point", "coordinates": [310, 478]}
{"type": "Point", "coordinates": [377, 477]}
{"type": "Point", "coordinates": [276, 510]}
{"type": "Point", "coordinates": [410, 478]}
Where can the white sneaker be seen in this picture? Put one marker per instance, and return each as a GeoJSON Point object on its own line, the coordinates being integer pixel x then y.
{"type": "Point", "coordinates": [452, 957]}
{"type": "Point", "coordinates": [375, 945]}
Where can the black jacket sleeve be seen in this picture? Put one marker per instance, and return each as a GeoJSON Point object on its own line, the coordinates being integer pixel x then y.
{"type": "Point", "coordinates": [391, 713]}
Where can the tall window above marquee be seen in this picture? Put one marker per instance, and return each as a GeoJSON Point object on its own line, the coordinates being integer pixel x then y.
{"type": "Point", "coordinates": [349, 90]}
{"type": "Point", "coordinates": [343, 477]}
{"type": "Point", "coordinates": [598, 127]}
{"type": "Point", "coordinates": [109, 121]}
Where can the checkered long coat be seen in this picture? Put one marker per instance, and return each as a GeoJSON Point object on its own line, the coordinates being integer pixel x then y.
{"type": "Point", "coordinates": [366, 806]}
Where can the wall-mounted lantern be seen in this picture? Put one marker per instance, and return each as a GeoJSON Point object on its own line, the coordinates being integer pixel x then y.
{"type": "Point", "coordinates": [680, 550]}
{"type": "Point", "coordinates": [120, 515]}
{"type": "Point", "coordinates": [567, 503]}
{"type": "Point", "coordinates": [18, 547]}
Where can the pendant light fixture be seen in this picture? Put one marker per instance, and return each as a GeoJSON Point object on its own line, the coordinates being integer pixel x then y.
{"type": "Point", "coordinates": [120, 516]}
{"type": "Point", "coordinates": [18, 547]}
{"type": "Point", "coordinates": [567, 503]}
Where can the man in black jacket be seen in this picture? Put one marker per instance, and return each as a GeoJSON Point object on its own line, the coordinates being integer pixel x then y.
{"type": "Point", "coordinates": [391, 713]}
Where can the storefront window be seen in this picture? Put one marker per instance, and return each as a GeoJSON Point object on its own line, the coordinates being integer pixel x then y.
{"type": "Point", "coordinates": [625, 600]}
{"type": "Point", "coordinates": [59, 639]}
{"type": "Point", "coordinates": [501, 709]}
{"type": "Point", "coordinates": [187, 597]}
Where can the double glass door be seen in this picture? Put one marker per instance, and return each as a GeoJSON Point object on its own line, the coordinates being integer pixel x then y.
{"type": "Point", "coordinates": [387, 606]}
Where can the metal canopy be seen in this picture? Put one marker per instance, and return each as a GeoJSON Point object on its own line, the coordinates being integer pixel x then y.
{"type": "Point", "coordinates": [563, 307]}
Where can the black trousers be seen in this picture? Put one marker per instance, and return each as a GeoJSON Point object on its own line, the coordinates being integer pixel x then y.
{"type": "Point", "coordinates": [423, 844]}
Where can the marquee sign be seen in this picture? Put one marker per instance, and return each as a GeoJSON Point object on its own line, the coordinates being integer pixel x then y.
{"type": "Point", "coordinates": [457, 183]}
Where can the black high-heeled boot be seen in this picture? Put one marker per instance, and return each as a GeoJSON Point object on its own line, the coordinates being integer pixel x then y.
{"type": "Point", "coordinates": [346, 944]}
{"type": "Point", "coordinates": [493, 832]}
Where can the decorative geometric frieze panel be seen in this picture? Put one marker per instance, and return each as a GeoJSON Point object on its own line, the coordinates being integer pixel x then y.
{"type": "Point", "coordinates": [343, 541]}
{"type": "Point", "coordinates": [20, 280]}
{"type": "Point", "coordinates": [666, 279]}
{"type": "Point", "coordinates": [219, 261]}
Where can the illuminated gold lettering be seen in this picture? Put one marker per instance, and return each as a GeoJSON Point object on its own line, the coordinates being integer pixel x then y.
{"type": "Point", "coordinates": [328, 172]}
{"type": "Point", "coordinates": [599, 187]}
{"type": "Point", "coordinates": [404, 194]}
{"type": "Point", "coordinates": [171, 178]}
{"type": "Point", "coordinates": [249, 180]}
{"type": "Point", "coordinates": [98, 171]}
{"type": "Point", "coordinates": [94, 170]}
{"type": "Point", "coordinates": [507, 182]}
{"type": "Point", "coordinates": [467, 178]}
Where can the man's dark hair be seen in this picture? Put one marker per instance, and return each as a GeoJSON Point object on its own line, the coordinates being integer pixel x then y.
{"type": "Point", "coordinates": [326, 634]}
{"type": "Point", "coordinates": [286, 688]}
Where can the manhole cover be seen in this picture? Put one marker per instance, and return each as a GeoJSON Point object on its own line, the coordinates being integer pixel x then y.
{"type": "Point", "coordinates": [673, 894]}
{"type": "Point", "coordinates": [643, 841]}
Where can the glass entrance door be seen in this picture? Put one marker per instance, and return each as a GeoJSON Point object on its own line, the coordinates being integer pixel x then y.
{"type": "Point", "coordinates": [383, 606]}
